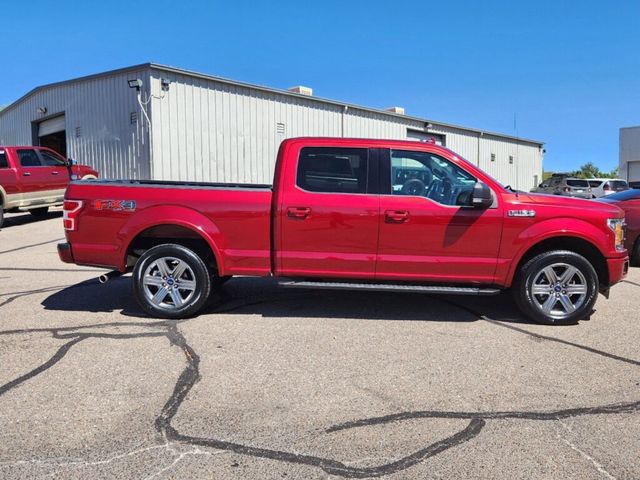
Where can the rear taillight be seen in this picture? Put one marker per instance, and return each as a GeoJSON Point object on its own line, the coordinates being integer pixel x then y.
{"type": "Point", "coordinates": [606, 188]}
{"type": "Point", "coordinates": [567, 189]}
{"type": "Point", "coordinates": [70, 211]}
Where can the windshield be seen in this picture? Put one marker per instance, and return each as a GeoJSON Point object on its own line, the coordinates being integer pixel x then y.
{"type": "Point", "coordinates": [485, 174]}
{"type": "Point", "coordinates": [625, 195]}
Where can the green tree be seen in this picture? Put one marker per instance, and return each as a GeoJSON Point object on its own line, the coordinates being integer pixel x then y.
{"type": "Point", "coordinates": [589, 170]}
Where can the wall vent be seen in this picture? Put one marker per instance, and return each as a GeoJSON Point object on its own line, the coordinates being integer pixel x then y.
{"type": "Point", "coordinates": [398, 110]}
{"type": "Point", "coordinates": [133, 118]}
{"type": "Point", "coordinates": [78, 132]}
{"type": "Point", "coordinates": [511, 159]}
{"type": "Point", "coordinates": [280, 128]}
{"type": "Point", "coordinates": [493, 157]}
{"type": "Point", "coordinates": [302, 90]}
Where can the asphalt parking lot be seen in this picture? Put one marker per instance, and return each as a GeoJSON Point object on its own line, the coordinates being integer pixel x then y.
{"type": "Point", "coordinates": [275, 383]}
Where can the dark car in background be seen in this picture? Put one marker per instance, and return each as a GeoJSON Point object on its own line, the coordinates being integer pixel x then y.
{"type": "Point", "coordinates": [629, 201]}
{"type": "Point", "coordinates": [562, 184]}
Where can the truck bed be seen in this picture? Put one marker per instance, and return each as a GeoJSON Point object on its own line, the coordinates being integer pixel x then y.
{"type": "Point", "coordinates": [234, 217]}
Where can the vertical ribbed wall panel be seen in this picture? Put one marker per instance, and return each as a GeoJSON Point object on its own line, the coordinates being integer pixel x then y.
{"type": "Point", "coordinates": [204, 129]}
{"type": "Point", "coordinates": [101, 109]}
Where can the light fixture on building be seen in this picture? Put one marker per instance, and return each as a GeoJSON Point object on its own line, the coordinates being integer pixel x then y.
{"type": "Point", "coordinates": [42, 110]}
{"type": "Point", "coordinates": [164, 84]}
{"type": "Point", "coordinates": [135, 83]}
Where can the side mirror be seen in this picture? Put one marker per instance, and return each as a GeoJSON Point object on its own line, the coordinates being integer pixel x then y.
{"type": "Point", "coordinates": [481, 196]}
{"type": "Point", "coordinates": [71, 162]}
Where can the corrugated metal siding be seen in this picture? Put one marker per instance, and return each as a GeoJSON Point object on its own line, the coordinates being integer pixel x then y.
{"type": "Point", "coordinates": [207, 130]}
{"type": "Point", "coordinates": [210, 131]}
{"type": "Point", "coordinates": [100, 108]}
{"type": "Point", "coordinates": [629, 152]}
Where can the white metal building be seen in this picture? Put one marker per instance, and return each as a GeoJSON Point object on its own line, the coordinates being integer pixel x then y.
{"type": "Point", "coordinates": [629, 166]}
{"type": "Point", "coordinates": [190, 126]}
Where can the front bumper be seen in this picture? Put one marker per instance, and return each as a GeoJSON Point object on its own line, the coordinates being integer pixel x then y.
{"type": "Point", "coordinates": [618, 268]}
{"type": "Point", "coordinates": [65, 253]}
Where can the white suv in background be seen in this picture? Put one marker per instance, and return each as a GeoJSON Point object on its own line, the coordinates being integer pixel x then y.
{"type": "Point", "coordinates": [601, 187]}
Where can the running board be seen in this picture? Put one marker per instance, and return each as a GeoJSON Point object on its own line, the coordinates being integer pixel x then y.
{"type": "Point", "coordinates": [386, 287]}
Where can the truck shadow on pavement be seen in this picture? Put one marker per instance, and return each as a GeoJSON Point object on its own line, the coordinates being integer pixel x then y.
{"type": "Point", "coordinates": [26, 218]}
{"type": "Point", "coordinates": [257, 296]}
{"type": "Point", "coordinates": [117, 297]}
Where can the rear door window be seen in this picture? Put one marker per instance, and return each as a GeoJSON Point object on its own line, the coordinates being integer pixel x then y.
{"type": "Point", "coordinates": [595, 183]}
{"type": "Point", "coordinates": [29, 158]}
{"type": "Point", "coordinates": [333, 170]}
{"type": "Point", "coordinates": [3, 159]}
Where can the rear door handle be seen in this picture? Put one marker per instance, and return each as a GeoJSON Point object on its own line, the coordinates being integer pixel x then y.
{"type": "Point", "coordinates": [54, 173]}
{"type": "Point", "coordinates": [396, 216]}
{"type": "Point", "coordinates": [298, 213]}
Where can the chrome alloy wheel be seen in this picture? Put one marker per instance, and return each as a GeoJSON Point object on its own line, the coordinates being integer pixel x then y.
{"type": "Point", "coordinates": [169, 283]}
{"type": "Point", "coordinates": [558, 290]}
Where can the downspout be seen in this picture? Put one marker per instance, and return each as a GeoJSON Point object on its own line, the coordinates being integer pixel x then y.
{"type": "Point", "coordinates": [344, 111]}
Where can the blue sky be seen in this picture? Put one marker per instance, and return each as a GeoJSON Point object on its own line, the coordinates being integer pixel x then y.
{"type": "Point", "coordinates": [570, 71]}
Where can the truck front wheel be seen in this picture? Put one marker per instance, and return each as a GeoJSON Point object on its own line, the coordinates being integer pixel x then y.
{"type": "Point", "coordinates": [171, 281]}
{"type": "Point", "coordinates": [556, 288]}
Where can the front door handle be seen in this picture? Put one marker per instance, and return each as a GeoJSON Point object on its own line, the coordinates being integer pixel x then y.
{"type": "Point", "coordinates": [26, 174]}
{"type": "Point", "coordinates": [298, 213]}
{"type": "Point", "coordinates": [396, 216]}
{"type": "Point", "coordinates": [55, 173]}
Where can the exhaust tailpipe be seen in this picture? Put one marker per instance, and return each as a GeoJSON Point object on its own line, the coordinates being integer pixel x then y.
{"type": "Point", "coordinates": [104, 278]}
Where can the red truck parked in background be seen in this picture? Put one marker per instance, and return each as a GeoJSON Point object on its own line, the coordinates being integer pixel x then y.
{"type": "Point", "coordinates": [35, 178]}
{"type": "Point", "coordinates": [351, 213]}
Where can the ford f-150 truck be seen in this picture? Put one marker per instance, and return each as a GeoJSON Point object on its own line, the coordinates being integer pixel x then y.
{"type": "Point", "coordinates": [350, 213]}
{"type": "Point", "coordinates": [35, 178]}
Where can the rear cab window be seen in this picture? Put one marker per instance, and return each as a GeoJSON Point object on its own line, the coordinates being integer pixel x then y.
{"type": "Point", "coordinates": [28, 158]}
{"type": "Point", "coordinates": [4, 163]}
{"type": "Point", "coordinates": [578, 183]}
{"type": "Point", "coordinates": [333, 170]}
{"type": "Point", "coordinates": [618, 185]}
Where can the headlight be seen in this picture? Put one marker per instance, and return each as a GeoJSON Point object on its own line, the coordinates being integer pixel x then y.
{"type": "Point", "coordinates": [617, 225]}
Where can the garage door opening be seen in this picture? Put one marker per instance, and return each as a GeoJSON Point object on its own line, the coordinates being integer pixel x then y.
{"type": "Point", "coordinates": [52, 134]}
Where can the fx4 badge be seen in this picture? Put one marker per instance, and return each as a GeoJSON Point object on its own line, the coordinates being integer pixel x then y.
{"type": "Point", "coordinates": [115, 205]}
{"type": "Point", "coordinates": [521, 213]}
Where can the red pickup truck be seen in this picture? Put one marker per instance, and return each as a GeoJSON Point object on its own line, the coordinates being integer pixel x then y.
{"type": "Point", "coordinates": [34, 179]}
{"type": "Point", "coordinates": [351, 213]}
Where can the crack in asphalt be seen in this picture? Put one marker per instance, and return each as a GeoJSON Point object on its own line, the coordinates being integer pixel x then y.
{"type": "Point", "coordinates": [191, 374]}
{"type": "Point", "coordinates": [31, 246]}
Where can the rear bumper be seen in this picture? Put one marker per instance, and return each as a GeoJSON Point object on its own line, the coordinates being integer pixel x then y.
{"type": "Point", "coordinates": [65, 253]}
{"type": "Point", "coordinates": [618, 268]}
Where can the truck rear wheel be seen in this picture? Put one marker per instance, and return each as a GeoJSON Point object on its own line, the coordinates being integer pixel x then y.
{"type": "Point", "coordinates": [1, 214]}
{"type": "Point", "coordinates": [171, 281]}
{"type": "Point", "coordinates": [556, 288]}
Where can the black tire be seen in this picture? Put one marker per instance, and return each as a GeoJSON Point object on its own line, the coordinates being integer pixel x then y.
{"type": "Point", "coordinates": [218, 281]}
{"type": "Point", "coordinates": [1, 215]}
{"type": "Point", "coordinates": [171, 254]}
{"type": "Point", "coordinates": [635, 254]}
{"type": "Point", "coordinates": [533, 272]}
{"type": "Point", "coordinates": [39, 212]}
